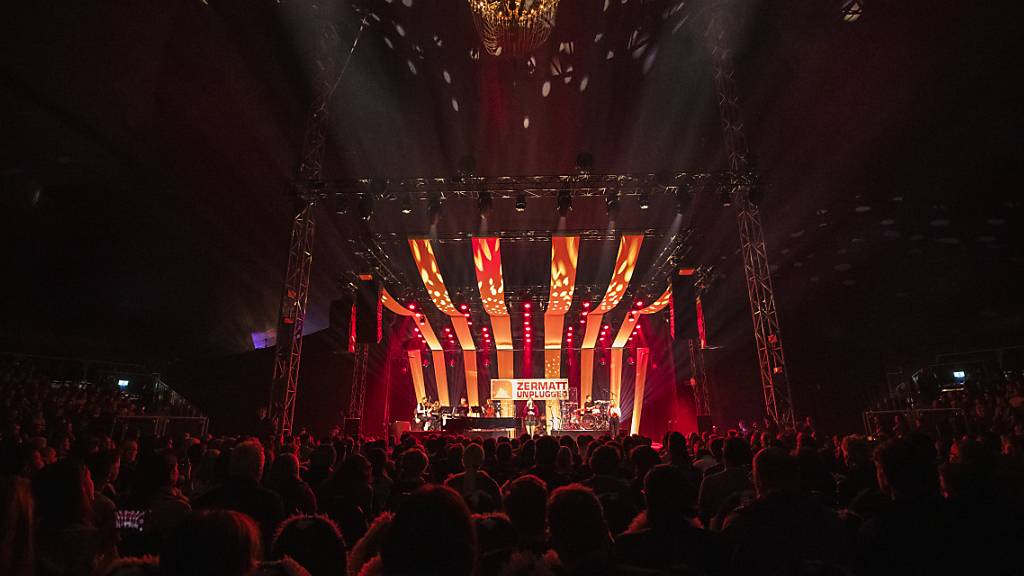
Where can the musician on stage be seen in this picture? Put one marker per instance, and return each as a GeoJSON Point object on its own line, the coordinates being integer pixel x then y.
{"type": "Point", "coordinates": [531, 417]}
{"type": "Point", "coordinates": [614, 416]}
{"type": "Point", "coordinates": [462, 410]}
{"type": "Point", "coordinates": [588, 406]}
{"type": "Point", "coordinates": [489, 409]}
{"type": "Point", "coordinates": [422, 415]}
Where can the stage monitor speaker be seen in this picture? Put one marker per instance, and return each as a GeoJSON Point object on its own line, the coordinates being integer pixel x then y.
{"type": "Point", "coordinates": [684, 305]}
{"type": "Point", "coordinates": [352, 427]}
{"type": "Point", "coordinates": [400, 427]}
{"type": "Point", "coordinates": [368, 311]}
{"type": "Point", "coordinates": [704, 424]}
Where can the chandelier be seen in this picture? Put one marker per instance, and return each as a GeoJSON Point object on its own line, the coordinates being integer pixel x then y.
{"type": "Point", "coordinates": [513, 27]}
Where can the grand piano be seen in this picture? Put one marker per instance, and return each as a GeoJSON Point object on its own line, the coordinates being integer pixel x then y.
{"type": "Point", "coordinates": [462, 424]}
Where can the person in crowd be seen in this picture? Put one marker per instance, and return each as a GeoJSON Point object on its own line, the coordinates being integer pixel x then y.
{"type": "Point", "coordinates": [545, 455]}
{"type": "Point", "coordinates": [314, 542]}
{"type": "Point", "coordinates": [578, 533]}
{"type": "Point", "coordinates": [476, 486]}
{"type": "Point", "coordinates": [504, 467]}
{"type": "Point", "coordinates": [66, 539]}
{"type": "Point", "coordinates": [677, 454]}
{"type": "Point", "coordinates": [860, 476]}
{"type": "Point", "coordinates": [413, 465]}
{"type": "Point", "coordinates": [212, 543]}
{"type": "Point", "coordinates": [715, 489]}
{"type": "Point", "coordinates": [348, 496]}
{"type": "Point", "coordinates": [155, 502]}
{"type": "Point", "coordinates": [321, 465]}
{"type": "Point", "coordinates": [16, 526]}
{"type": "Point", "coordinates": [296, 495]}
{"type": "Point", "coordinates": [496, 541]}
{"type": "Point", "coordinates": [432, 534]}
{"type": "Point", "coordinates": [664, 535]}
{"type": "Point", "coordinates": [642, 458]}
{"type": "Point", "coordinates": [610, 489]}
{"type": "Point", "coordinates": [914, 514]}
{"type": "Point", "coordinates": [709, 460]}
{"type": "Point", "coordinates": [367, 549]}
{"type": "Point", "coordinates": [782, 530]}
{"type": "Point", "coordinates": [242, 491]}
{"type": "Point", "coordinates": [381, 482]}
{"type": "Point", "coordinates": [525, 501]}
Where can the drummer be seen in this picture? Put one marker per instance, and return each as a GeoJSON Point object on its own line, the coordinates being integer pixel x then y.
{"type": "Point", "coordinates": [588, 405]}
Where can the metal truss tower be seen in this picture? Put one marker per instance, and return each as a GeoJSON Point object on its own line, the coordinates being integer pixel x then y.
{"type": "Point", "coordinates": [295, 295]}
{"type": "Point", "coordinates": [360, 365]}
{"type": "Point", "coordinates": [767, 333]}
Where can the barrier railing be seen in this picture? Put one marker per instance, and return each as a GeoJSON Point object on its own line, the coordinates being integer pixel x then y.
{"type": "Point", "coordinates": [951, 420]}
{"type": "Point", "coordinates": [159, 425]}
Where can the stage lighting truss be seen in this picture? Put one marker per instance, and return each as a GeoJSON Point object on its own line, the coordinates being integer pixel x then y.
{"type": "Point", "coordinates": [518, 188]}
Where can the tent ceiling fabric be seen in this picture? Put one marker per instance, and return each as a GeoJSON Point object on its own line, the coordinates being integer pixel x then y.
{"type": "Point", "coordinates": [147, 173]}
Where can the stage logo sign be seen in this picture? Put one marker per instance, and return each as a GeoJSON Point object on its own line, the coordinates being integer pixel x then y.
{"type": "Point", "coordinates": [530, 389]}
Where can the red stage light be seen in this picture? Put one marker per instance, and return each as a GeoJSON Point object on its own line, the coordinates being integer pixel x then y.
{"type": "Point", "coordinates": [463, 307]}
{"type": "Point", "coordinates": [527, 305]}
{"type": "Point", "coordinates": [586, 304]}
{"type": "Point", "coordinates": [639, 303]}
{"type": "Point", "coordinates": [412, 306]}
{"type": "Point", "coordinates": [527, 314]}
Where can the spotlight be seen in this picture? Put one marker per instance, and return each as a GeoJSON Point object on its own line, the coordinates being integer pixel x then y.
{"type": "Point", "coordinates": [644, 200]}
{"type": "Point", "coordinates": [366, 206]}
{"type": "Point", "coordinates": [611, 204]}
{"type": "Point", "coordinates": [683, 199]}
{"type": "Point", "coordinates": [484, 203]}
{"type": "Point", "coordinates": [564, 203]}
{"type": "Point", "coordinates": [406, 202]}
{"type": "Point", "coordinates": [434, 208]}
{"type": "Point", "coordinates": [521, 203]}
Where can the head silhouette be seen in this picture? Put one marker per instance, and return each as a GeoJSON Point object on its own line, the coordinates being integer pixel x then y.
{"type": "Point", "coordinates": [212, 543]}
{"type": "Point", "coordinates": [314, 542]}
{"type": "Point", "coordinates": [432, 533]}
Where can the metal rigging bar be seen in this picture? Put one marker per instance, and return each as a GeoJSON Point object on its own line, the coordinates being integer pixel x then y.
{"type": "Point", "coordinates": [295, 295]}
{"type": "Point", "coordinates": [767, 333]}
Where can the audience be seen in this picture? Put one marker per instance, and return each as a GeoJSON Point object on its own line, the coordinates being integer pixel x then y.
{"type": "Point", "coordinates": [242, 491]}
{"type": "Point", "coordinates": [913, 498]}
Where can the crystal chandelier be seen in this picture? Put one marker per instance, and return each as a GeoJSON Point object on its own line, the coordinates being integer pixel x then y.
{"type": "Point", "coordinates": [513, 27]}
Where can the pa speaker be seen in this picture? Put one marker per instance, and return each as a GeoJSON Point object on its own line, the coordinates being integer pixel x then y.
{"type": "Point", "coordinates": [684, 306]}
{"type": "Point", "coordinates": [342, 326]}
{"type": "Point", "coordinates": [368, 312]}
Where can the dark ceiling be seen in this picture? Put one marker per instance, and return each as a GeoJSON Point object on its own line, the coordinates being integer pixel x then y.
{"type": "Point", "coordinates": [147, 149]}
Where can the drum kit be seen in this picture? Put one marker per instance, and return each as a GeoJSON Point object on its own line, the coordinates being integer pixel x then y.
{"type": "Point", "coordinates": [594, 417]}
